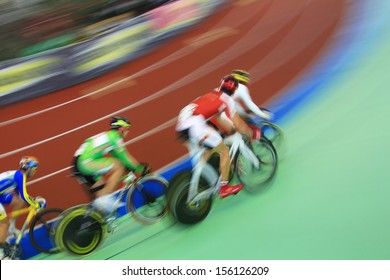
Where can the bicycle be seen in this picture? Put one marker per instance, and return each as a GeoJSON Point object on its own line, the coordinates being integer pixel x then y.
{"type": "Point", "coordinates": [270, 130]}
{"type": "Point", "coordinates": [40, 221]}
{"type": "Point", "coordinates": [191, 193]}
{"type": "Point", "coordinates": [82, 228]}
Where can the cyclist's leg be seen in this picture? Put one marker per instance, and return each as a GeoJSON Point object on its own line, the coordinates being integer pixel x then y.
{"type": "Point", "coordinates": [208, 137]}
{"type": "Point", "coordinates": [224, 160]}
{"type": "Point", "coordinates": [5, 199]}
{"type": "Point", "coordinates": [4, 251]}
{"type": "Point", "coordinates": [4, 224]}
{"type": "Point", "coordinates": [88, 182]}
{"type": "Point", "coordinates": [16, 203]}
{"type": "Point", "coordinates": [216, 143]}
{"type": "Point", "coordinates": [194, 131]}
{"type": "Point", "coordinates": [110, 168]}
{"type": "Point", "coordinates": [114, 172]}
{"type": "Point", "coordinates": [222, 123]}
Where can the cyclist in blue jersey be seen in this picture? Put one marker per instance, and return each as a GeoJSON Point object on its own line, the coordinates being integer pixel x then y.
{"type": "Point", "coordinates": [13, 192]}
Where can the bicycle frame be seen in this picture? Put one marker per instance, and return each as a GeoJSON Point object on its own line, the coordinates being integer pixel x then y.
{"type": "Point", "coordinates": [261, 123]}
{"type": "Point", "coordinates": [237, 145]}
{"type": "Point", "coordinates": [129, 180]}
{"type": "Point", "coordinates": [31, 213]}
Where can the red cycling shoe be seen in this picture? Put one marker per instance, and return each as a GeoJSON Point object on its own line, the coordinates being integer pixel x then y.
{"type": "Point", "coordinates": [227, 190]}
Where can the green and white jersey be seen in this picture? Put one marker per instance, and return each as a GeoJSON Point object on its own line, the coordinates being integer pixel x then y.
{"type": "Point", "coordinates": [108, 142]}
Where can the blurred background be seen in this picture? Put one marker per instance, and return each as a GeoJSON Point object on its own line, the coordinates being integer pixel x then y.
{"type": "Point", "coordinates": [50, 45]}
{"type": "Point", "coordinates": [320, 65]}
{"type": "Point", "coordinates": [30, 27]}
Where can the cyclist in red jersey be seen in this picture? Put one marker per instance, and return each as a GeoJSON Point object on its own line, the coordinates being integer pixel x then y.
{"type": "Point", "coordinates": [193, 127]}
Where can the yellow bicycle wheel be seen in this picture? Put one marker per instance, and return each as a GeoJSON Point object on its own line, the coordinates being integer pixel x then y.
{"type": "Point", "coordinates": [80, 231]}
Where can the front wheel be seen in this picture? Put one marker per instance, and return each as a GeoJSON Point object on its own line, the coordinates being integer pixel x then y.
{"type": "Point", "coordinates": [182, 211]}
{"type": "Point", "coordinates": [42, 230]}
{"type": "Point", "coordinates": [274, 133]}
{"type": "Point", "coordinates": [147, 201]}
{"type": "Point", "coordinates": [255, 179]}
{"type": "Point", "coordinates": [80, 231]}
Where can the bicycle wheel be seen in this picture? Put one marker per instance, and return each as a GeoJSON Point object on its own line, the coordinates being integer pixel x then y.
{"type": "Point", "coordinates": [254, 179]}
{"type": "Point", "coordinates": [274, 133]}
{"type": "Point", "coordinates": [80, 231]}
{"type": "Point", "coordinates": [175, 180]}
{"type": "Point", "coordinates": [42, 230]}
{"type": "Point", "coordinates": [147, 200]}
{"type": "Point", "coordinates": [179, 208]}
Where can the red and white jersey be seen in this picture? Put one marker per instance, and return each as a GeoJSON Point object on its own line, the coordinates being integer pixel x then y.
{"type": "Point", "coordinates": [213, 103]}
{"type": "Point", "coordinates": [205, 108]}
{"type": "Point", "coordinates": [195, 115]}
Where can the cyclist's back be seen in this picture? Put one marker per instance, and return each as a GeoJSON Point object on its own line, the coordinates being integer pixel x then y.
{"type": "Point", "coordinates": [213, 103]}
{"type": "Point", "coordinates": [100, 145]}
{"type": "Point", "coordinates": [9, 181]}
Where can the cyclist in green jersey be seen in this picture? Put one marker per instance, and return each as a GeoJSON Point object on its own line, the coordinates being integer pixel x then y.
{"type": "Point", "coordinates": [101, 171]}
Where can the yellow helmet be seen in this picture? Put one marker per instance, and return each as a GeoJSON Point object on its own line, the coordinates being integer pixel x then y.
{"type": "Point", "coordinates": [118, 122]}
{"type": "Point", "coordinates": [241, 75]}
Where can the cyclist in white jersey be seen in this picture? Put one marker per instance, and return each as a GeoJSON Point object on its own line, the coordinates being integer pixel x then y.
{"type": "Point", "coordinates": [244, 103]}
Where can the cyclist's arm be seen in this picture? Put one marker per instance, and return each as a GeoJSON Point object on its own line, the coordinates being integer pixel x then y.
{"type": "Point", "coordinates": [244, 97]}
{"type": "Point", "coordinates": [21, 189]}
{"type": "Point", "coordinates": [239, 124]}
{"type": "Point", "coordinates": [120, 152]}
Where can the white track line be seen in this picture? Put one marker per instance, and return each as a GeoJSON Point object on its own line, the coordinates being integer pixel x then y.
{"type": "Point", "coordinates": [175, 56]}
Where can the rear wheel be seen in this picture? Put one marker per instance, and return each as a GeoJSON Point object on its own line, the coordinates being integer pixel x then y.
{"type": "Point", "coordinates": [147, 200]}
{"type": "Point", "coordinates": [80, 231]}
{"type": "Point", "coordinates": [175, 179]}
{"type": "Point", "coordinates": [42, 229]}
{"type": "Point", "coordinates": [255, 179]}
{"type": "Point", "coordinates": [182, 211]}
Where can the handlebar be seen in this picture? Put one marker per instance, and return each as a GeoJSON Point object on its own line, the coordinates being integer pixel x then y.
{"type": "Point", "coordinates": [41, 201]}
{"type": "Point", "coordinates": [147, 169]}
{"type": "Point", "coordinates": [130, 176]}
{"type": "Point", "coordinates": [252, 117]}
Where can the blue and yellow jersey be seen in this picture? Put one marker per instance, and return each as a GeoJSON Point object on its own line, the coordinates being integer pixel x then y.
{"type": "Point", "coordinates": [14, 181]}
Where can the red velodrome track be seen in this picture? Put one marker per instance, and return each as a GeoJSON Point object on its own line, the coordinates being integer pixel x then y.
{"type": "Point", "coordinates": [276, 40]}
